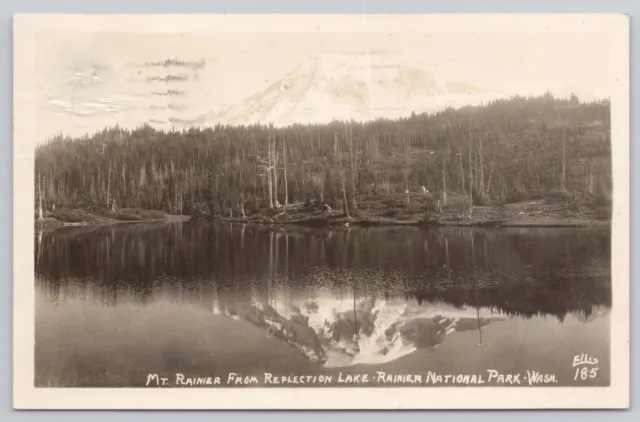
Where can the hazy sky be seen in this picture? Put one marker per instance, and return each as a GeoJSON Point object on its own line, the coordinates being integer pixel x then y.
{"type": "Point", "coordinates": [81, 82]}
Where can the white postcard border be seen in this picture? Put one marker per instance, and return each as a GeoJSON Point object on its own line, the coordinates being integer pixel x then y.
{"type": "Point", "coordinates": [27, 396]}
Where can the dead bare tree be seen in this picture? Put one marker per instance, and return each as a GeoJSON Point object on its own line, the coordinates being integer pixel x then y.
{"type": "Point", "coordinates": [109, 185]}
{"type": "Point", "coordinates": [490, 174]}
{"type": "Point", "coordinates": [353, 165]}
{"type": "Point", "coordinates": [481, 166]}
{"type": "Point", "coordinates": [344, 195]}
{"type": "Point", "coordinates": [274, 168]}
{"type": "Point", "coordinates": [470, 176]}
{"type": "Point", "coordinates": [341, 172]}
{"type": "Point", "coordinates": [266, 167]}
{"type": "Point", "coordinates": [444, 183]}
{"type": "Point", "coordinates": [284, 160]}
{"type": "Point", "coordinates": [241, 206]}
{"type": "Point", "coordinates": [564, 161]}
{"type": "Point", "coordinates": [464, 191]}
{"type": "Point", "coordinates": [39, 198]}
{"type": "Point", "coordinates": [406, 144]}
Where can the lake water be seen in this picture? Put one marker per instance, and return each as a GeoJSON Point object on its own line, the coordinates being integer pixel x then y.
{"type": "Point", "coordinates": [115, 304]}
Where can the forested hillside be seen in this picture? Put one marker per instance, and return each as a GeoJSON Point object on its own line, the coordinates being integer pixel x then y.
{"type": "Point", "coordinates": [506, 151]}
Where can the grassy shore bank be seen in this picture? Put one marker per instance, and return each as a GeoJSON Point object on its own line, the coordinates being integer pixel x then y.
{"type": "Point", "coordinates": [538, 213]}
{"type": "Point", "coordinates": [388, 211]}
{"type": "Point", "coordinates": [63, 217]}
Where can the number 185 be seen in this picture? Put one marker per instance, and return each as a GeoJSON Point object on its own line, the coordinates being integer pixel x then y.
{"type": "Point", "coordinates": [585, 373]}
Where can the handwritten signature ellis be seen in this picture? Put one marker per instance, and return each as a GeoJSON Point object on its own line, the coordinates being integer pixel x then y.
{"type": "Point", "coordinates": [584, 359]}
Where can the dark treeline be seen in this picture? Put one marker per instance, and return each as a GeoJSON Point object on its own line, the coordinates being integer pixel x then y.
{"type": "Point", "coordinates": [506, 151]}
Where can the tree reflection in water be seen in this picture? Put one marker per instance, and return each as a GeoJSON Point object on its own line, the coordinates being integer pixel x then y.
{"type": "Point", "coordinates": [349, 289]}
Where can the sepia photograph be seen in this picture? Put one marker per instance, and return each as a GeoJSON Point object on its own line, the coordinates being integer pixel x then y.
{"type": "Point", "coordinates": [243, 211]}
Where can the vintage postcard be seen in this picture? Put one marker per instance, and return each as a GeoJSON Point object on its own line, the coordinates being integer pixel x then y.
{"type": "Point", "coordinates": [321, 211]}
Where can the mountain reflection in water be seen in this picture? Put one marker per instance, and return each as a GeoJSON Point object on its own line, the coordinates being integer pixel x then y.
{"type": "Point", "coordinates": [340, 297]}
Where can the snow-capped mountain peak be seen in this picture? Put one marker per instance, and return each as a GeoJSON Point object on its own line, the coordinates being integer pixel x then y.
{"type": "Point", "coordinates": [350, 87]}
{"type": "Point", "coordinates": [373, 331]}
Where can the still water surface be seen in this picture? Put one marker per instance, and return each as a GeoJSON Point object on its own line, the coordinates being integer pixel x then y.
{"type": "Point", "coordinates": [115, 304]}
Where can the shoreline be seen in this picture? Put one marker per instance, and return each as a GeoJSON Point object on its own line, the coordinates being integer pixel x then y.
{"type": "Point", "coordinates": [342, 222]}
{"type": "Point", "coordinates": [531, 214]}
{"type": "Point", "coordinates": [52, 223]}
{"type": "Point", "coordinates": [400, 223]}
{"type": "Point", "coordinates": [522, 214]}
